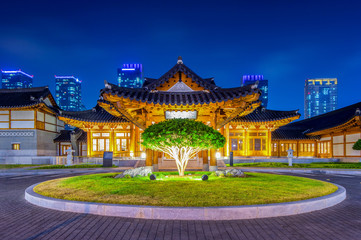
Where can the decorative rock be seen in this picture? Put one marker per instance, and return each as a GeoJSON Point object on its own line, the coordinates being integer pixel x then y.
{"type": "Point", "coordinates": [141, 171]}
{"type": "Point", "coordinates": [204, 177]}
{"type": "Point", "coordinates": [231, 173]}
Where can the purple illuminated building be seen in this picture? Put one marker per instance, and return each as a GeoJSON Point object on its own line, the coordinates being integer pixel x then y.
{"type": "Point", "coordinates": [16, 79]}
{"type": "Point", "coordinates": [262, 84]}
{"type": "Point", "coordinates": [130, 75]}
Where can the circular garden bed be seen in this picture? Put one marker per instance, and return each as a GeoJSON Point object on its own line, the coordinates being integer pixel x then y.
{"type": "Point", "coordinates": [189, 191]}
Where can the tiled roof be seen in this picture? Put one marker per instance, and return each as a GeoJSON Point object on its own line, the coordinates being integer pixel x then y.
{"type": "Point", "coordinates": [65, 135]}
{"type": "Point", "coordinates": [24, 97]}
{"type": "Point", "coordinates": [97, 114]}
{"type": "Point", "coordinates": [265, 115]}
{"type": "Point", "coordinates": [299, 129]}
{"type": "Point", "coordinates": [152, 84]}
{"type": "Point", "coordinates": [180, 98]}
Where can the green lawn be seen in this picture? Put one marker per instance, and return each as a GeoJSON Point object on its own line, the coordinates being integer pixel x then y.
{"type": "Point", "coordinates": [9, 166]}
{"type": "Point", "coordinates": [73, 166]}
{"type": "Point", "coordinates": [298, 165]}
{"type": "Point", "coordinates": [171, 190]}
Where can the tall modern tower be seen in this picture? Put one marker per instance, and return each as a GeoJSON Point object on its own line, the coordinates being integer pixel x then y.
{"type": "Point", "coordinates": [68, 93]}
{"type": "Point", "coordinates": [262, 84]}
{"type": "Point", "coordinates": [16, 79]}
{"type": "Point", "coordinates": [130, 75]}
{"type": "Point", "coordinates": [320, 96]}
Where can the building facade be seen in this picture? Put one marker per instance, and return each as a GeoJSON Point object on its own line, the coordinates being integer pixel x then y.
{"type": "Point", "coordinates": [262, 85]}
{"type": "Point", "coordinates": [130, 76]}
{"type": "Point", "coordinates": [16, 79]}
{"type": "Point", "coordinates": [68, 93]}
{"type": "Point", "coordinates": [320, 96]}
{"type": "Point", "coordinates": [28, 125]}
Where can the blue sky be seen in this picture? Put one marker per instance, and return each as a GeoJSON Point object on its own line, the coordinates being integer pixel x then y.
{"type": "Point", "coordinates": [286, 41]}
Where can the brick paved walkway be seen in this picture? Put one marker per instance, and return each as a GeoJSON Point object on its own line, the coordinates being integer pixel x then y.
{"type": "Point", "coordinates": [21, 220]}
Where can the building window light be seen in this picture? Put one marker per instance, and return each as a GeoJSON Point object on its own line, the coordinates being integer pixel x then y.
{"type": "Point", "coordinates": [15, 146]}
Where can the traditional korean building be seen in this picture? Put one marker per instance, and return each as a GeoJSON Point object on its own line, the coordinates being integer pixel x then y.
{"type": "Point", "coordinates": [28, 125]}
{"type": "Point", "coordinates": [121, 115]}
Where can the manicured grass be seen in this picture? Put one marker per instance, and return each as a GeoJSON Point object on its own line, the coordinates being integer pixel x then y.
{"type": "Point", "coordinates": [10, 166]}
{"type": "Point", "coordinates": [189, 191]}
{"type": "Point", "coordinates": [73, 166]}
{"type": "Point", "coordinates": [300, 165]}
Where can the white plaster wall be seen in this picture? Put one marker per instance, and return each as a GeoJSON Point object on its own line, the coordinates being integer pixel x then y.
{"type": "Point", "coordinates": [350, 151]}
{"type": "Point", "coordinates": [338, 150]}
{"type": "Point", "coordinates": [325, 139]}
{"type": "Point", "coordinates": [29, 115]}
{"type": "Point", "coordinates": [50, 119]}
{"type": "Point", "coordinates": [4, 117]}
{"type": "Point", "coordinates": [4, 112]}
{"type": "Point", "coordinates": [22, 124]}
{"type": "Point", "coordinates": [40, 116]}
{"type": "Point", "coordinates": [4, 125]}
{"type": "Point", "coordinates": [338, 139]}
{"type": "Point", "coordinates": [50, 127]}
{"type": "Point", "coordinates": [353, 137]}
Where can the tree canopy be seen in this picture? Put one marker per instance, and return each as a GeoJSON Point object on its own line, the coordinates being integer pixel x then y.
{"type": "Point", "coordinates": [357, 145]}
{"type": "Point", "coordinates": [182, 133]}
{"type": "Point", "coordinates": [181, 139]}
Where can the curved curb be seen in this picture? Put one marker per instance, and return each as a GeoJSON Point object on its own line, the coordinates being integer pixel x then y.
{"type": "Point", "coordinates": [188, 213]}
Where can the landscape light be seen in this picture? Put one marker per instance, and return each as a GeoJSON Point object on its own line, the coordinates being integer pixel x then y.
{"type": "Point", "coordinates": [143, 155]}
{"type": "Point", "coordinates": [218, 155]}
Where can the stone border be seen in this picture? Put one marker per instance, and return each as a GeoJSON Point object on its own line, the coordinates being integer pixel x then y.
{"type": "Point", "coordinates": [188, 213]}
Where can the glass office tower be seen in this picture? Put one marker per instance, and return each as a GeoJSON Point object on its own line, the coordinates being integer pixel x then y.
{"type": "Point", "coordinates": [16, 79]}
{"type": "Point", "coordinates": [130, 75]}
{"type": "Point", "coordinates": [320, 96]}
{"type": "Point", "coordinates": [262, 84]}
{"type": "Point", "coordinates": [68, 93]}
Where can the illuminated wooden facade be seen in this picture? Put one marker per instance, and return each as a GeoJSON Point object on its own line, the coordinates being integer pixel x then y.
{"type": "Point", "coordinates": [330, 135]}
{"type": "Point", "coordinates": [179, 93]}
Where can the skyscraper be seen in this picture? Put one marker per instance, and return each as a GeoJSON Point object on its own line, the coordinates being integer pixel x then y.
{"type": "Point", "coordinates": [68, 93]}
{"type": "Point", "coordinates": [130, 75]}
{"type": "Point", "coordinates": [320, 96]}
{"type": "Point", "coordinates": [16, 79]}
{"type": "Point", "coordinates": [262, 84]}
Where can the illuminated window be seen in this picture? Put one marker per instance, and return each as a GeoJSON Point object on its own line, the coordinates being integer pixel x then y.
{"type": "Point", "coordinates": [15, 146]}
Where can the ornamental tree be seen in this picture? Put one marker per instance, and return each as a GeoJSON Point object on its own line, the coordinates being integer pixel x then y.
{"type": "Point", "coordinates": [181, 139]}
{"type": "Point", "coordinates": [357, 145]}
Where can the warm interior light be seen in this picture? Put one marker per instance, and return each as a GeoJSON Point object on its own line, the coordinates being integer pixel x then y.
{"type": "Point", "coordinates": [131, 154]}
{"type": "Point", "coordinates": [218, 155]}
{"type": "Point", "coordinates": [143, 155]}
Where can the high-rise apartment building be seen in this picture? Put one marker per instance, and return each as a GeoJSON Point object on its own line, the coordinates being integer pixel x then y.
{"type": "Point", "coordinates": [262, 84]}
{"type": "Point", "coordinates": [16, 79]}
{"type": "Point", "coordinates": [68, 93]}
{"type": "Point", "coordinates": [320, 96]}
{"type": "Point", "coordinates": [130, 75]}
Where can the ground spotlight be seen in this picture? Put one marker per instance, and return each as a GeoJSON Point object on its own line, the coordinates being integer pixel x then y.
{"type": "Point", "coordinates": [152, 177]}
{"type": "Point", "coordinates": [204, 177]}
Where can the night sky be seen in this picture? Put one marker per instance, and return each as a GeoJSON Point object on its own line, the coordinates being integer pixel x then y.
{"type": "Point", "coordinates": [286, 41]}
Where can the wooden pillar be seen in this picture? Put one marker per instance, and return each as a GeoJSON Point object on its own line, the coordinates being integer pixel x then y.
{"type": "Point", "coordinates": [112, 143]}
{"type": "Point", "coordinates": [246, 143]}
{"type": "Point", "coordinates": [149, 158]}
{"type": "Point", "coordinates": [297, 147]}
{"type": "Point", "coordinates": [205, 160]}
{"type": "Point", "coordinates": [155, 161]}
{"type": "Point", "coordinates": [344, 144]}
{"type": "Point", "coordinates": [279, 148]}
{"type": "Point", "coordinates": [132, 141]}
{"type": "Point", "coordinates": [227, 148]}
{"type": "Point", "coordinates": [269, 144]}
{"type": "Point", "coordinates": [223, 148]}
{"type": "Point", "coordinates": [331, 145]}
{"type": "Point", "coordinates": [89, 143]}
{"type": "Point", "coordinates": [213, 160]}
{"type": "Point", "coordinates": [136, 142]}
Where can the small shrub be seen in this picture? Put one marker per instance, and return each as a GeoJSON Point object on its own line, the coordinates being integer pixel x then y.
{"type": "Point", "coordinates": [357, 145]}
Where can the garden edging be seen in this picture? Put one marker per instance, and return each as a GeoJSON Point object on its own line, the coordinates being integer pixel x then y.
{"type": "Point", "coordinates": [188, 213]}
